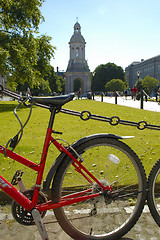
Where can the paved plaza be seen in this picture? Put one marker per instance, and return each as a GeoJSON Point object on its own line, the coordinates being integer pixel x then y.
{"type": "Point", "coordinates": [149, 105]}
{"type": "Point", "coordinates": [145, 229]}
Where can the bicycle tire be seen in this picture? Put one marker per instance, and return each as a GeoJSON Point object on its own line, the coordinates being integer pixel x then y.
{"type": "Point", "coordinates": [115, 216]}
{"type": "Point", "coordinates": [153, 195]}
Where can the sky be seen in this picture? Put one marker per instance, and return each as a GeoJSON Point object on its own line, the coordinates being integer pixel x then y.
{"type": "Point", "coordinates": [116, 31]}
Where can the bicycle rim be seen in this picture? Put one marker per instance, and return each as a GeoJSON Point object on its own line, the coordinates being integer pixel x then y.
{"type": "Point", "coordinates": [114, 164]}
{"type": "Point", "coordinates": [154, 192]}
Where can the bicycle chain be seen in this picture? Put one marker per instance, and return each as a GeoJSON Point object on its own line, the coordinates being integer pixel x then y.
{"type": "Point", "coordinates": [114, 120]}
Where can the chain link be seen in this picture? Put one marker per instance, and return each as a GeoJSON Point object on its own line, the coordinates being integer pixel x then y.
{"type": "Point", "coordinates": [114, 120]}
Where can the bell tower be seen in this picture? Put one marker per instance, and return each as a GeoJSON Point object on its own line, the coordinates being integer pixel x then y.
{"type": "Point", "coordinates": [78, 75]}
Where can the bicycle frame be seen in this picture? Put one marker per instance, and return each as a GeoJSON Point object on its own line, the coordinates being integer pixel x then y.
{"type": "Point", "coordinates": [20, 198]}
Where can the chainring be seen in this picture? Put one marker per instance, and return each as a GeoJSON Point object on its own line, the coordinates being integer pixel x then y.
{"type": "Point", "coordinates": [21, 215]}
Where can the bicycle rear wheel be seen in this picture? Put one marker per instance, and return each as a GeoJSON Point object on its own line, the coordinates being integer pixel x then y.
{"type": "Point", "coordinates": [154, 192]}
{"type": "Point", "coordinates": [109, 216]}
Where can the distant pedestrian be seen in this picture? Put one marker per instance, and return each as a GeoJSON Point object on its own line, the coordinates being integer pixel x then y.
{"type": "Point", "coordinates": [134, 92]}
{"type": "Point", "coordinates": [126, 93]}
{"type": "Point", "coordinates": [28, 93]}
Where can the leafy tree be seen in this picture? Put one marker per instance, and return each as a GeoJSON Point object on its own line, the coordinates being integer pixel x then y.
{"type": "Point", "coordinates": [42, 88]}
{"type": "Point", "coordinates": [52, 77]}
{"type": "Point", "coordinates": [24, 56]}
{"type": "Point", "coordinates": [60, 82]}
{"type": "Point", "coordinates": [150, 84]}
{"type": "Point", "coordinates": [115, 85]}
{"type": "Point", "coordinates": [139, 84]}
{"type": "Point", "coordinates": [56, 83]}
{"type": "Point", "coordinates": [105, 73]}
{"type": "Point", "coordinates": [50, 84]}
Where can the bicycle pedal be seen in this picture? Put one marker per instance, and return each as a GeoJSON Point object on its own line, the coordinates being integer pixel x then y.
{"type": "Point", "coordinates": [18, 173]}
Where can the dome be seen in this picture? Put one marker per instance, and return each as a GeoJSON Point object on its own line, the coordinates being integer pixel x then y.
{"type": "Point", "coordinates": [77, 36]}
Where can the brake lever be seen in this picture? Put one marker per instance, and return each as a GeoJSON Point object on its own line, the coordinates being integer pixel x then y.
{"type": "Point", "coordinates": [25, 99]}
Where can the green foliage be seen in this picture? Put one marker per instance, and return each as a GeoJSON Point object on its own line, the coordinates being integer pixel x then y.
{"type": "Point", "coordinates": [20, 14]}
{"type": "Point", "coordinates": [24, 56]}
{"type": "Point", "coordinates": [44, 54]}
{"type": "Point", "coordinates": [52, 77]}
{"type": "Point", "coordinates": [139, 84]}
{"type": "Point", "coordinates": [149, 84]}
{"type": "Point", "coordinates": [105, 73]}
{"type": "Point", "coordinates": [52, 83]}
{"type": "Point", "coordinates": [42, 88]}
{"type": "Point", "coordinates": [115, 85]}
{"type": "Point", "coordinates": [60, 85]}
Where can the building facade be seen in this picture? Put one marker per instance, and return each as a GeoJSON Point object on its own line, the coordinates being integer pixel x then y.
{"type": "Point", "coordinates": [77, 71]}
{"type": "Point", "coordinates": [142, 69]}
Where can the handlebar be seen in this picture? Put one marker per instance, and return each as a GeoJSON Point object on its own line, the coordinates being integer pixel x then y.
{"type": "Point", "coordinates": [10, 93]}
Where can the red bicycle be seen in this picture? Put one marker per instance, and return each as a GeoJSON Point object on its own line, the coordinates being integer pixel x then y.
{"type": "Point", "coordinates": [98, 183]}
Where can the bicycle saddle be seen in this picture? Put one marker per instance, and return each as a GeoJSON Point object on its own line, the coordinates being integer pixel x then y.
{"type": "Point", "coordinates": [52, 101]}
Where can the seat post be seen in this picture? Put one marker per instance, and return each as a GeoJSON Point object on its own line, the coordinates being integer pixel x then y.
{"type": "Point", "coordinates": [52, 117]}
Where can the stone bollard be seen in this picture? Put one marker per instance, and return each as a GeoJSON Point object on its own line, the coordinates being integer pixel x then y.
{"type": "Point", "coordinates": [102, 97]}
{"type": "Point", "coordinates": [141, 99]}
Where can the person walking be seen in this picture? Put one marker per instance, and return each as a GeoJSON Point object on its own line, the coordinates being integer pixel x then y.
{"type": "Point", "coordinates": [126, 93]}
{"type": "Point", "coordinates": [134, 92]}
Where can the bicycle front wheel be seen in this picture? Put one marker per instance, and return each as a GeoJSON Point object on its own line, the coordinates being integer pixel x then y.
{"type": "Point", "coordinates": [154, 192]}
{"type": "Point", "coordinates": [108, 216]}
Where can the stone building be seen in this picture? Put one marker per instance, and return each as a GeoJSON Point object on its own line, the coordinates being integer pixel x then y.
{"type": "Point", "coordinates": [77, 73]}
{"type": "Point", "coordinates": [142, 69]}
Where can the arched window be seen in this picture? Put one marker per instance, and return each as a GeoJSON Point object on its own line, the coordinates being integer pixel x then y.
{"type": "Point", "coordinates": [77, 52]}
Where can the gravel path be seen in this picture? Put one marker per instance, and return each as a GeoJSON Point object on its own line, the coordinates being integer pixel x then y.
{"type": "Point", "coordinates": [145, 229]}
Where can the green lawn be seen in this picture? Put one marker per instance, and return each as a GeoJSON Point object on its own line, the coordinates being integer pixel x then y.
{"type": "Point", "coordinates": [145, 143]}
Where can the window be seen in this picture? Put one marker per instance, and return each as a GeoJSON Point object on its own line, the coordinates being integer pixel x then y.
{"type": "Point", "coordinates": [77, 52]}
